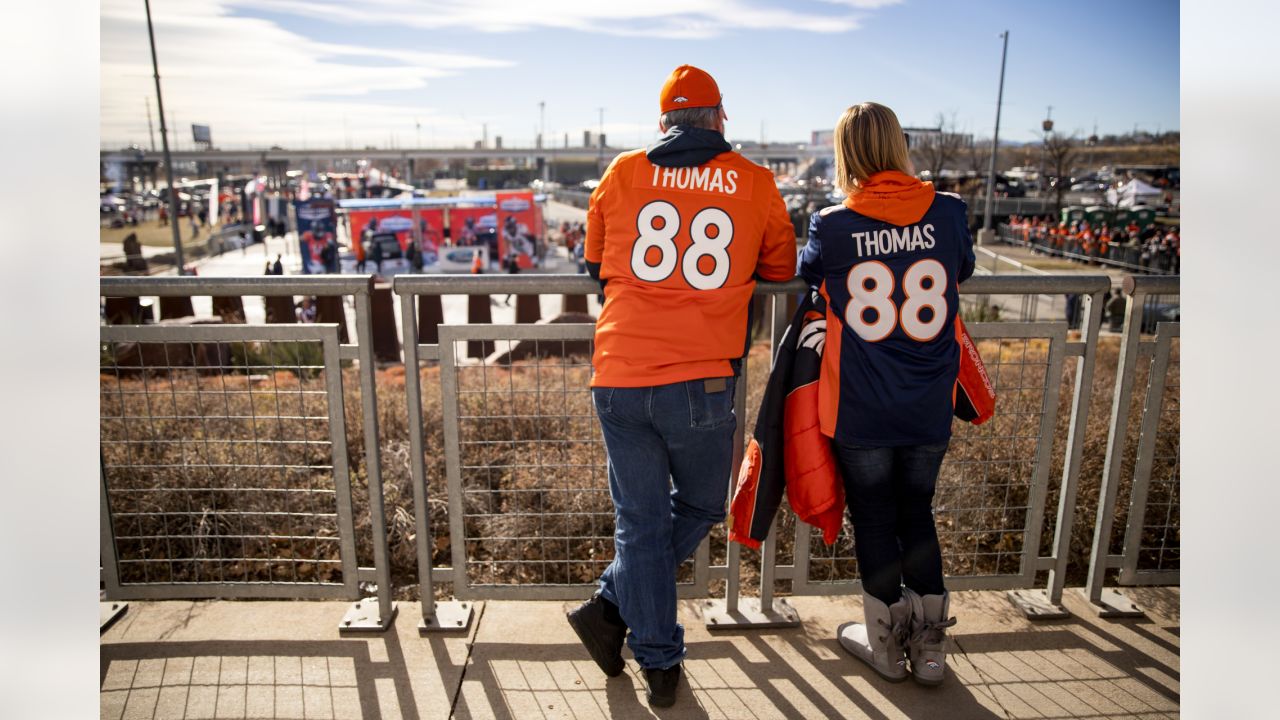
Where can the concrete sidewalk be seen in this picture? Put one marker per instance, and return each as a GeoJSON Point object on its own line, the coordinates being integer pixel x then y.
{"type": "Point", "coordinates": [521, 660]}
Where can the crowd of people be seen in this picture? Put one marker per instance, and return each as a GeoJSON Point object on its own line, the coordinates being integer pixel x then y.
{"type": "Point", "coordinates": [1152, 248]}
{"type": "Point", "coordinates": [573, 235]}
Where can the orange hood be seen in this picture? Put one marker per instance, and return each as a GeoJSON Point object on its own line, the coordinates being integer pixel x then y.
{"type": "Point", "coordinates": [893, 197]}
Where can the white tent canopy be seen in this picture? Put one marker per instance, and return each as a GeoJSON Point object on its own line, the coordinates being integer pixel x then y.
{"type": "Point", "coordinates": [1134, 192]}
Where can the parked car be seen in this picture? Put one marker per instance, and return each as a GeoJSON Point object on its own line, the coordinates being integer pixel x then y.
{"type": "Point", "coordinates": [1090, 186]}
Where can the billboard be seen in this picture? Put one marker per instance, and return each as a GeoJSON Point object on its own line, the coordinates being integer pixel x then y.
{"type": "Point", "coordinates": [519, 228]}
{"type": "Point", "coordinates": [317, 223]}
{"type": "Point", "coordinates": [400, 222]}
{"type": "Point", "coordinates": [474, 226]}
{"type": "Point", "coordinates": [200, 133]}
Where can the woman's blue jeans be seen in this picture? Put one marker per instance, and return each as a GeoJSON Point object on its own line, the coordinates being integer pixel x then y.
{"type": "Point", "coordinates": [889, 492]}
{"type": "Point", "coordinates": [670, 456]}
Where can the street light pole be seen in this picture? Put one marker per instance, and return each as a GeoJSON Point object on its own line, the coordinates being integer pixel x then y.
{"type": "Point", "coordinates": [600, 145]}
{"type": "Point", "coordinates": [995, 142]}
{"type": "Point", "coordinates": [164, 139]}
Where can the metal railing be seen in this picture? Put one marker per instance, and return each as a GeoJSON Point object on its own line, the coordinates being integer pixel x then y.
{"type": "Point", "coordinates": [193, 357]}
{"type": "Point", "coordinates": [203, 496]}
{"type": "Point", "coordinates": [528, 509]}
{"type": "Point", "coordinates": [1149, 553]}
{"type": "Point", "coordinates": [508, 466]}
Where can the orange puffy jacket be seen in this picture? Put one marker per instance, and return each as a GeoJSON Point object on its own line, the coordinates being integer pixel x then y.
{"type": "Point", "coordinates": [788, 450]}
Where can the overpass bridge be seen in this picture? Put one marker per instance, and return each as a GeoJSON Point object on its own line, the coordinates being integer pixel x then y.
{"type": "Point", "coordinates": [779, 157]}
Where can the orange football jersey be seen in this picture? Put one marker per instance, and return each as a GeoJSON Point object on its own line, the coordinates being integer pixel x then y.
{"type": "Point", "coordinates": [679, 248]}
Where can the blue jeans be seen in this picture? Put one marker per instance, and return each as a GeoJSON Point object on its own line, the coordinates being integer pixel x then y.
{"type": "Point", "coordinates": [670, 453]}
{"type": "Point", "coordinates": [889, 492]}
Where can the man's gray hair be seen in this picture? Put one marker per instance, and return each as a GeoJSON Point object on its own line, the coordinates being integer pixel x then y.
{"type": "Point", "coordinates": [700, 117]}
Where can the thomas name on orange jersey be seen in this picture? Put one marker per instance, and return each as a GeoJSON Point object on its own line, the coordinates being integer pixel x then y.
{"type": "Point", "coordinates": [699, 178]}
{"type": "Point", "coordinates": [695, 179]}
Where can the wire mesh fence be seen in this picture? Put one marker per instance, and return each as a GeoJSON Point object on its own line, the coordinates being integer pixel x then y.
{"type": "Point", "coordinates": [1137, 530]}
{"type": "Point", "coordinates": [224, 463]}
{"type": "Point", "coordinates": [529, 493]}
{"type": "Point", "coordinates": [534, 494]}
{"type": "Point", "coordinates": [1152, 552]}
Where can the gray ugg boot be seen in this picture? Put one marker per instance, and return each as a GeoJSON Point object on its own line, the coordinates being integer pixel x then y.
{"type": "Point", "coordinates": [927, 640]}
{"type": "Point", "coordinates": [881, 641]}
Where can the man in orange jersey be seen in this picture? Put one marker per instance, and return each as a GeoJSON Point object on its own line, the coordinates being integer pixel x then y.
{"type": "Point", "coordinates": [677, 235]}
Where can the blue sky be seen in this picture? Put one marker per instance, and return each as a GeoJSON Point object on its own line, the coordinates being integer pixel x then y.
{"type": "Point", "coordinates": [327, 72]}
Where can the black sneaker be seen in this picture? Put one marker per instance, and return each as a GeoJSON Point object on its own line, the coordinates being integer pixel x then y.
{"type": "Point", "coordinates": [661, 690]}
{"type": "Point", "coordinates": [602, 632]}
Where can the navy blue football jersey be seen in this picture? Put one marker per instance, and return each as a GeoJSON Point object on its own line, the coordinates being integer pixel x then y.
{"type": "Point", "coordinates": [891, 359]}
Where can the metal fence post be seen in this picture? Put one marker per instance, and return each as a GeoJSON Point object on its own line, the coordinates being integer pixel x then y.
{"type": "Point", "coordinates": [765, 611]}
{"type": "Point", "coordinates": [1047, 604]}
{"type": "Point", "coordinates": [108, 612]}
{"type": "Point", "coordinates": [1109, 603]}
{"type": "Point", "coordinates": [359, 617]}
{"type": "Point", "coordinates": [450, 615]}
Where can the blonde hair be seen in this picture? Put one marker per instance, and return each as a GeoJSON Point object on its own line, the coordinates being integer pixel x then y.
{"type": "Point", "coordinates": [868, 140]}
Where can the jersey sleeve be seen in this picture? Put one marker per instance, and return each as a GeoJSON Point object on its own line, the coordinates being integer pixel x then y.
{"type": "Point", "coordinates": [778, 250]}
{"type": "Point", "coordinates": [810, 263]}
{"type": "Point", "coordinates": [593, 251]}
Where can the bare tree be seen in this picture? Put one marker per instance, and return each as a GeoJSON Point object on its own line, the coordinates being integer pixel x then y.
{"type": "Point", "coordinates": [1060, 151]}
{"type": "Point", "coordinates": [935, 152]}
{"type": "Point", "coordinates": [977, 157]}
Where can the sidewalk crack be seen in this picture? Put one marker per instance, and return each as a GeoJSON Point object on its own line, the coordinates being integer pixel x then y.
{"type": "Point", "coordinates": [986, 679]}
{"type": "Point", "coordinates": [471, 647]}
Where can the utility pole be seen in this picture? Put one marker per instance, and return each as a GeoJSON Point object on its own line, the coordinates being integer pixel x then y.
{"type": "Point", "coordinates": [600, 145]}
{"type": "Point", "coordinates": [151, 133]}
{"type": "Point", "coordinates": [542, 122]}
{"type": "Point", "coordinates": [542, 139]}
{"type": "Point", "coordinates": [164, 139]}
{"type": "Point", "coordinates": [1046, 127]}
{"type": "Point", "coordinates": [995, 143]}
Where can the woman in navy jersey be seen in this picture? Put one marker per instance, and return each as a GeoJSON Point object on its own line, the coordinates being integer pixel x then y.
{"type": "Point", "coordinates": [889, 260]}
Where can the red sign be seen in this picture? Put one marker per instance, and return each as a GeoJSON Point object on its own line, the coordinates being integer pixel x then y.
{"type": "Point", "coordinates": [519, 227]}
{"type": "Point", "coordinates": [472, 226]}
{"type": "Point", "coordinates": [400, 222]}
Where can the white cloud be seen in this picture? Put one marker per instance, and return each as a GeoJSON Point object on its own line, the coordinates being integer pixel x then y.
{"type": "Point", "coordinates": [864, 4]}
{"type": "Point", "coordinates": [256, 82]}
{"type": "Point", "coordinates": [668, 19]}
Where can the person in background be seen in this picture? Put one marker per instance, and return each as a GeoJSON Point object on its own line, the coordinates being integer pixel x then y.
{"type": "Point", "coordinates": [307, 310]}
{"type": "Point", "coordinates": [277, 268]}
{"type": "Point", "coordinates": [1115, 307]}
{"type": "Point", "coordinates": [889, 261]}
{"type": "Point", "coordinates": [375, 254]}
{"type": "Point", "coordinates": [415, 256]}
